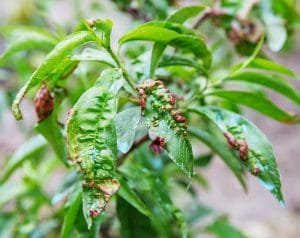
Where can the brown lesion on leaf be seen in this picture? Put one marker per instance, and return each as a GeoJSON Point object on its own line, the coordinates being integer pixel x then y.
{"type": "Point", "coordinates": [44, 103]}
{"type": "Point", "coordinates": [157, 145]}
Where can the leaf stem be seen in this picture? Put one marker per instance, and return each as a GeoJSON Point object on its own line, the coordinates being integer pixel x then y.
{"type": "Point", "coordinates": [125, 73]}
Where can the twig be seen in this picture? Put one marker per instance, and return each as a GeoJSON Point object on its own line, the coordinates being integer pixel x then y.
{"type": "Point", "coordinates": [135, 145]}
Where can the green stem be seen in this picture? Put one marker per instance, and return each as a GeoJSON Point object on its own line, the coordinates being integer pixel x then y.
{"type": "Point", "coordinates": [125, 73]}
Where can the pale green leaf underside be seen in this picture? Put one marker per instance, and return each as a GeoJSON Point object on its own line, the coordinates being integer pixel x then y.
{"type": "Point", "coordinates": [126, 123]}
{"type": "Point", "coordinates": [260, 153]}
{"type": "Point", "coordinates": [54, 66]}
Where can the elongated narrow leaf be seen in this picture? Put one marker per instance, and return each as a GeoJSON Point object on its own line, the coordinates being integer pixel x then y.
{"type": "Point", "coordinates": [274, 82]}
{"type": "Point", "coordinates": [209, 134]}
{"type": "Point", "coordinates": [133, 223]}
{"type": "Point", "coordinates": [183, 14]}
{"type": "Point", "coordinates": [56, 64]}
{"type": "Point", "coordinates": [126, 123]}
{"type": "Point", "coordinates": [258, 155]}
{"type": "Point", "coordinates": [70, 216]}
{"type": "Point", "coordinates": [265, 64]}
{"type": "Point", "coordinates": [92, 141]}
{"type": "Point", "coordinates": [159, 110]}
{"type": "Point", "coordinates": [257, 102]}
{"type": "Point", "coordinates": [27, 38]}
{"type": "Point", "coordinates": [129, 195]}
{"type": "Point", "coordinates": [31, 147]}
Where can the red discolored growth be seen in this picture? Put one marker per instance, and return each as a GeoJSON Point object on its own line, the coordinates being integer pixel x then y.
{"type": "Point", "coordinates": [243, 149]}
{"type": "Point", "coordinates": [158, 145]}
{"type": "Point", "coordinates": [94, 212]}
{"type": "Point", "coordinates": [44, 103]}
{"type": "Point", "coordinates": [231, 140]}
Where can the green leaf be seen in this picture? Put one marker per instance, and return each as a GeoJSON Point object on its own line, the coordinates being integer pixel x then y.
{"type": "Point", "coordinates": [274, 82]}
{"type": "Point", "coordinates": [56, 64]}
{"type": "Point", "coordinates": [158, 113]}
{"type": "Point", "coordinates": [26, 38]}
{"type": "Point", "coordinates": [222, 228]}
{"type": "Point", "coordinates": [126, 123]}
{"type": "Point", "coordinates": [209, 134]}
{"type": "Point", "coordinates": [130, 196]}
{"type": "Point", "coordinates": [26, 151]}
{"type": "Point", "coordinates": [90, 54]}
{"type": "Point", "coordinates": [260, 63]}
{"type": "Point", "coordinates": [183, 14]}
{"type": "Point", "coordinates": [70, 216]}
{"type": "Point", "coordinates": [133, 223]}
{"type": "Point", "coordinates": [259, 159]}
{"type": "Point", "coordinates": [56, 138]}
{"type": "Point", "coordinates": [257, 102]}
{"type": "Point", "coordinates": [169, 34]}
{"type": "Point", "coordinates": [171, 60]}
{"type": "Point", "coordinates": [92, 141]}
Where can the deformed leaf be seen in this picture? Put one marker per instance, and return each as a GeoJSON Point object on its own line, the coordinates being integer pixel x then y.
{"type": "Point", "coordinates": [126, 123]}
{"type": "Point", "coordinates": [255, 150]}
{"type": "Point", "coordinates": [257, 102]}
{"type": "Point", "coordinates": [54, 67]}
{"type": "Point", "coordinates": [158, 106]}
{"type": "Point", "coordinates": [209, 134]}
{"type": "Point", "coordinates": [92, 141]}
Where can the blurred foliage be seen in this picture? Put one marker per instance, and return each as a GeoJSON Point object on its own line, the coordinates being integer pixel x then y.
{"type": "Point", "coordinates": [142, 135]}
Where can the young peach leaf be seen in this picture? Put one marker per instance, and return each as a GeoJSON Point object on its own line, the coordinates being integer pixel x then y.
{"type": "Point", "coordinates": [254, 148]}
{"type": "Point", "coordinates": [274, 82]}
{"type": "Point", "coordinates": [257, 102]}
{"type": "Point", "coordinates": [185, 13]}
{"type": "Point", "coordinates": [54, 67]}
{"type": "Point", "coordinates": [26, 38]}
{"type": "Point", "coordinates": [92, 141]}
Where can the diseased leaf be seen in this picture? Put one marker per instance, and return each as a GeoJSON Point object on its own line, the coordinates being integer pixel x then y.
{"type": "Point", "coordinates": [26, 151]}
{"type": "Point", "coordinates": [26, 38]}
{"type": "Point", "coordinates": [56, 138]}
{"type": "Point", "coordinates": [126, 123]}
{"type": "Point", "coordinates": [257, 102]}
{"type": "Point", "coordinates": [222, 228]}
{"type": "Point", "coordinates": [257, 153]}
{"type": "Point", "coordinates": [54, 67]}
{"type": "Point", "coordinates": [209, 134]}
{"type": "Point", "coordinates": [159, 110]}
{"type": "Point", "coordinates": [183, 14]}
{"type": "Point", "coordinates": [92, 141]}
{"type": "Point", "coordinates": [274, 82]}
